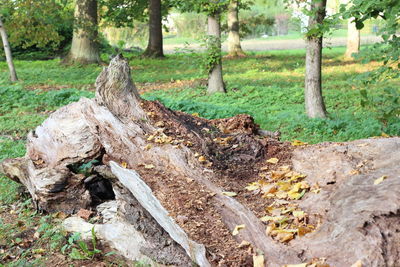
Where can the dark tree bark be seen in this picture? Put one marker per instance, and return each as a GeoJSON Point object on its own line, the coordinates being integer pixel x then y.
{"type": "Point", "coordinates": [234, 47]}
{"type": "Point", "coordinates": [155, 45]}
{"type": "Point", "coordinates": [314, 102]}
{"type": "Point", "coordinates": [84, 49]}
{"type": "Point", "coordinates": [215, 78]}
{"type": "Point", "coordinates": [7, 51]}
{"type": "Point", "coordinates": [353, 40]}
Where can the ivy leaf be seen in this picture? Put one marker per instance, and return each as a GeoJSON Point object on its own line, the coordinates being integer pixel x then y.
{"type": "Point", "coordinates": [359, 25]}
{"type": "Point", "coordinates": [77, 255]}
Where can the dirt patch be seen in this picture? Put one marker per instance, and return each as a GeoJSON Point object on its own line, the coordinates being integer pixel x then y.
{"type": "Point", "coordinates": [148, 87]}
{"type": "Point", "coordinates": [55, 87]}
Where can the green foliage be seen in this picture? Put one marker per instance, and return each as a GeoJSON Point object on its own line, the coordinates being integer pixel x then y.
{"type": "Point", "coordinates": [37, 25]}
{"type": "Point", "coordinates": [389, 50]}
{"type": "Point", "coordinates": [190, 24]}
{"type": "Point", "coordinates": [209, 7]}
{"type": "Point", "coordinates": [79, 249]}
{"type": "Point", "coordinates": [253, 24]}
{"type": "Point", "coordinates": [212, 56]}
{"type": "Point", "coordinates": [121, 13]}
{"type": "Point", "coordinates": [30, 107]}
{"type": "Point", "coordinates": [385, 105]}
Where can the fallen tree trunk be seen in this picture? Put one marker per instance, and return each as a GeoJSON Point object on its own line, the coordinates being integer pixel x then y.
{"type": "Point", "coordinates": [187, 199]}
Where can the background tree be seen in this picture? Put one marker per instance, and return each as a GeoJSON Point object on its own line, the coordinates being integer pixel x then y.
{"type": "Point", "coordinates": [84, 48]}
{"type": "Point", "coordinates": [155, 44]}
{"type": "Point", "coordinates": [213, 58]}
{"type": "Point", "coordinates": [123, 13]}
{"type": "Point", "coordinates": [7, 51]}
{"type": "Point", "coordinates": [234, 47]}
{"type": "Point", "coordinates": [314, 102]}
{"type": "Point", "coordinates": [353, 39]}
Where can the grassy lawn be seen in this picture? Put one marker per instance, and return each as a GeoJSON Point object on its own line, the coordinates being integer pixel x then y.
{"type": "Point", "coordinates": [267, 85]}
{"type": "Point", "coordinates": [292, 35]}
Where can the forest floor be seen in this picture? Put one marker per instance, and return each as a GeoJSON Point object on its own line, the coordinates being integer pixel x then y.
{"type": "Point", "coordinates": [266, 85]}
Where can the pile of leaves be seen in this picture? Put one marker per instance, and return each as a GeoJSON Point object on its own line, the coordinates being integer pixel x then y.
{"type": "Point", "coordinates": [282, 188]}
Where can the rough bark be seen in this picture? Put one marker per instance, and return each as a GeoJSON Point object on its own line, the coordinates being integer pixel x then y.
{"type": "Point", "coordinates": [215, 78]}
{"type": "Point", "coordinates": [234, 47]}
{"type": "Point", "coordinates": [155, 45]}
{"type": "Point", "coordinates": [314, 102]}
{"type": "Point", "coordinates": [84, 48]}
{"type": "Point", "coordinates": [7, 51]}
{"type": "Point", "coordinates": [353, 39]}
{"type": "Point", "coordinates": [173, 188]}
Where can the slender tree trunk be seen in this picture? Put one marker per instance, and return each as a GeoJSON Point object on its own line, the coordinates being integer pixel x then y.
{"type": "Point", "coordinates": [353, 39]}
{"type": "Point", "coordinates": [234, 47]}
{"type": "Point", "coordinates": [7, 51]}
{"type": "Point", "coordinates": [215, 79]}
{"type": "Point", "coordinates": [155, 45]}
{"type": "Point", "coordinates": [84, 49]}
{"type": "Point", "coordinates": [314, 102]}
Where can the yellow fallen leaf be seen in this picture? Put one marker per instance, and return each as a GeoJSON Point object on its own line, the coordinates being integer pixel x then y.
{"type": "Point", "coordinates": [268, 189]}
{"type": "Point", "coordinates": [39, 251]}
{"type": "Point", "coordinates": [293, 195]}
{"type": "Point", "coordinates": [160, 124]}
{"type": "Point", "coordinates": [380, 180]}
{"type": "Point", "coordinates": [244, 244]}
{"type": "Point", "coordinates": [252, 187]}
{"type": "Point", "coordinates": [296, 187]}
{"type": "Point", "coordinates": [269, 229]}
{"type": "Point", "coordinates": [295, 176]}
{"type": "Point", "coordinates": [354, 172]}
{"type": "Point", "coordinates": [229, 194]}
{"type": "Point", "coordinates": [298, 214]}
{"type": "Point", "coordinates": [357, 264]}
{"type": "Point", "coordinates": [298, 143]}
{"type": "Point", "coordinates": [281, 195]}
{"type": "Point", "coordinates": [124, 164]}
{"type": "Point", "coordinates": [273, 160]}
{"type": "Point", "coordinates": [258, 261]}
{"type": "Point", "coordinates": [284, 186]}
{"type": "Point", "coordinates": [202, 159]}
{"type": "Point", "coordinates": [276, 175]}
{"type": "Point", "coordinates": [147, 147]}
{"type": "Point", "coordinates": [385, 135]}
{"type": "Point", "coordinates": [238, 228]}
{"type": "Point", "coordinates": [149, 166]}
{"type": "Point", "coordinates": [271, 218]}
{"type": "Point", "coordinates": [363, 144]}
{"type": "Point", "coordinates": [302, 231]}
{"type": "Point", "coordinates": [284, 237]}
{"type": "Point", "coordinates": [195, 114]}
